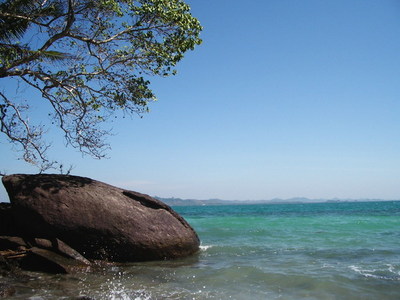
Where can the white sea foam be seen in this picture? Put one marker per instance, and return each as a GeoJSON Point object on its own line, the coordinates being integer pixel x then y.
{"type": "Point", "coordinates": [205, 247]}
{"type": "Point", "coordinates": [376, 273]}
{"type": "Point", "coordinates": [143, 295]}
{"type": "Point", "coordinates": [355, 269]}
{"type": "Point", "coordinates": [392, 269]}
{"type": "Point", "coordinates": [366, 273]}
{"type": "Point", "coordinates": [128, 295]}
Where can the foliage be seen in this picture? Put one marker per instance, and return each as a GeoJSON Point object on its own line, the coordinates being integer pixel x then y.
{"type": "Point", "coordinates": [89, 59]}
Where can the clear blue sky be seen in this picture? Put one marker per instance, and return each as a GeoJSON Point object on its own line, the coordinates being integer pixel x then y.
{"type": "Point", "coordinates": [282, 99]}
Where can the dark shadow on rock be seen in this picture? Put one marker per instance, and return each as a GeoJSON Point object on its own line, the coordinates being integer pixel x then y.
{"type": "Point", "coordinates": [8, 225]}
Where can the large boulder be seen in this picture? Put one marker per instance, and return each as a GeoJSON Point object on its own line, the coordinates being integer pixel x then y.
{"type": "Point", "coordinates": [98, 220]}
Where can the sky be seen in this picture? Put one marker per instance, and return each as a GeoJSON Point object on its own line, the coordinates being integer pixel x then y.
{"type": "Point", "coordinates": [283, 99]}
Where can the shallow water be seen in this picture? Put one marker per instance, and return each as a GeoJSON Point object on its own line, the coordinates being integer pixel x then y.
{"type": "Point", "coordinates": [283, 251]}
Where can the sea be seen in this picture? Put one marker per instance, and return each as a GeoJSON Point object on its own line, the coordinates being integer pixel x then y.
{"type": "Point", "coordinates": [340, 250]}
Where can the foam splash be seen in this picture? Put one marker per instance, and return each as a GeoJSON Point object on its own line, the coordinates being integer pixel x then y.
{"type": "Point", "coordinates": [122, 294]}
{"type": "Point", "coordinates": [388, 274]}
{"type": "Point", "coordinates": [205, 247]}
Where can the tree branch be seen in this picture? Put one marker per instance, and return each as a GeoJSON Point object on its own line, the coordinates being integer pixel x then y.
{"type": "Point", "coordinates": [115, 45]}
{"type": "Point", "coordinates": [50, 41]}
{"type": "Point", "coordinates": [18, 131]}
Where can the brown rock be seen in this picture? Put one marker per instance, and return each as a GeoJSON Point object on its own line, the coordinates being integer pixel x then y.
{"type": "Point", "coordinates": [11, 242]}
{"type": "Point", "coordinates": [42, 243]}
{"type": "Point", "coordinates": [60, 247]}
{"type": "Point", "coordinates": [98, 220]}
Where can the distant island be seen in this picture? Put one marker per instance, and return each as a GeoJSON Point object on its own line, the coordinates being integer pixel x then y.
{"type": "Point", "coordinates": [195, 202]}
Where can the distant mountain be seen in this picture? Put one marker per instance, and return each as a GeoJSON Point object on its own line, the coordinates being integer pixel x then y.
{"type": "Point", "coordinates": [195, 202]}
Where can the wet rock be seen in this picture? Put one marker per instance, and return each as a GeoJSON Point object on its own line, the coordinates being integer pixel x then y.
{"type": "Point", "coordinates": [44, 260]}
{"type": "Point", "coordinates": [8, 267]}
{"type": "Point", "coordinates": [42, 243]}
{"type": "Point", "coordinates": [6, 290]}
{"type": "Point", "coordinates": [66, 250]}
{"type": "Point", "coordinates": [60, 247]}
{"type": "Point", "coordinates": [12, 243]}
{"type": "Point", "coordinates": [44, 256]}
{"type": "Point", "coordinates": [98, 220]}
{"type": "Point", "coordinates": [4, 266]}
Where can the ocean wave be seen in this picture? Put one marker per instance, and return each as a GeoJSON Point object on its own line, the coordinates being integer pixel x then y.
{"type": "Point", "coordinates": [205, 247]}
{"type": "Point", "coordinates": [388, 273]}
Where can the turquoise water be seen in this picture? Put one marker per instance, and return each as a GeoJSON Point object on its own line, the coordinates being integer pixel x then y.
{"type": "Point", "coordinates": [282, 251]}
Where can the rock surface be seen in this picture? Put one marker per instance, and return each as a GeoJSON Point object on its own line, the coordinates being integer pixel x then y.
{"type": "Point", "coordinates": [98, 220]}
{"type": "Point", "coordinates": [40, 255]}
{"type": "Point", "coordinates": [44, 260]}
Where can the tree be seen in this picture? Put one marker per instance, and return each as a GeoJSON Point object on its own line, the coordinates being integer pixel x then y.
{"type": "Point", "coordinates": [89, 59]}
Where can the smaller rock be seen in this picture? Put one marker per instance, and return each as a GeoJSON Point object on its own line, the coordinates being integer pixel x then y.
{"type": "Point", "coordinates": [11, 242]}
{"type": "Point", "coordinates": [61, 248]}
{"type": "Point", "coordinates": [43, 243]}
{"type": "Point", "coordinates": [53, 256]}
{"type": "Point", "coordinates": [47, 261]}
